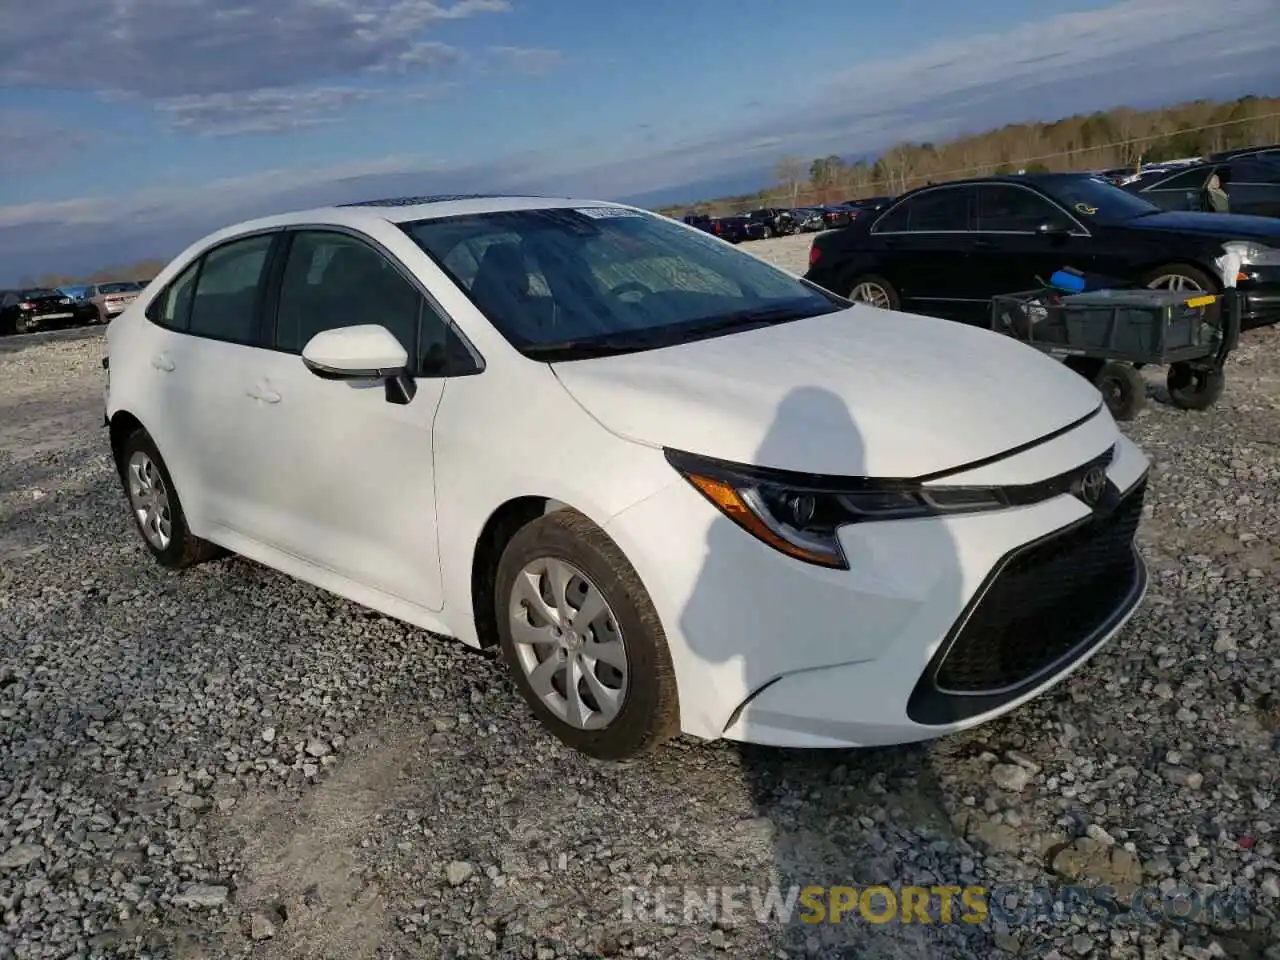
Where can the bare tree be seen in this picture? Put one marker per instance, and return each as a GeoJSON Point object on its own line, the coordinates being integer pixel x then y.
{"type": "Point", "coordinates": [790, 174]}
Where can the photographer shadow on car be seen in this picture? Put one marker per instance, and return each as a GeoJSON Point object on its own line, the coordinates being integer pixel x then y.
{"type": "Point", "coordinates": [833, 817]}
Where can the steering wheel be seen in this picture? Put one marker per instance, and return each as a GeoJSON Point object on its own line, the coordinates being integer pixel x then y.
{"type": "Point", "coordinates": [630, 286]}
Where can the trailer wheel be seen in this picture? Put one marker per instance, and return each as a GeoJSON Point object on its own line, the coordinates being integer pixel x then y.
{"type": "Point", "coordinates": [1123, 389]}
{"type": "Point", "coordinates": [1194, 388]}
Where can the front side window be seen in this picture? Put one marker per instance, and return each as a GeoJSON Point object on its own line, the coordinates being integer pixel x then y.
{"type": "Point", "coordinates": [334, 280]}
{"type": "Point", "coordinates": [1188, 180]}
{"type": "Point", "coordinates": [225, 304]}
{"type": "Point", "coordinates": [569, 283]}
{"type": "Point", "coordinates": [1004, 209]}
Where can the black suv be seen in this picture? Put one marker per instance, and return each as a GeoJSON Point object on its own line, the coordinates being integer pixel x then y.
{"type": "Point", "coordinates": [1250, 180]}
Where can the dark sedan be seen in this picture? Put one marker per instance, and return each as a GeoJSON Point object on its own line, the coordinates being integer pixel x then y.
{"type": "Point", "coordinates": [946, 250]}
{"type": "Point", "coordinates": [39, 308]}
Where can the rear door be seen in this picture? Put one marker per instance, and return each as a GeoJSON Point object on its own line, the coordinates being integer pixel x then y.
{"type": "Point", "coordinates": [1253, 185]}
{"type": "Point", "coordinates": [925, 244]}
{"type": "Point", "coordinates": [205, 327]}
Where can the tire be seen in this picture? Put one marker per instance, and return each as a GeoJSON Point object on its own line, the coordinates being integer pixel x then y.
{"type": "Point", "coordinates": [649, 712]}
{"type": "Point", "coordinates": [1200, 279]}
{"type": "Point", "coordinates": [1123, 389]}
{"type": "Point", "coordinates": [182, 549]}
{"type": "Point", "coordinates": [1192, 388]}
{"type": "Point", "coordinates": [870, 280]}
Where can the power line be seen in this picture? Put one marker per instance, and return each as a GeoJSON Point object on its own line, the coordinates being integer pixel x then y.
{"type": "Point", "coordinates": [978, 168]}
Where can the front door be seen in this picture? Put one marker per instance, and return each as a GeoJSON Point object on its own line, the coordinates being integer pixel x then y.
{"type": "Point", "coordinates": [345, 478]}
{"type": "Point", "coordinates": [1023, 238]}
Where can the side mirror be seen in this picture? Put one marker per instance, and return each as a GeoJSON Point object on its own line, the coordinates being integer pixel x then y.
{"type": "Point", "coordinates": [365, 352]}
{"type": "Point", "coordinates": [1052, 230]}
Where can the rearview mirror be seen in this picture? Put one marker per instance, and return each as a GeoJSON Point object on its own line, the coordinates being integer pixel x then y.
{"type": "Point", "coordinates": [365, 352]}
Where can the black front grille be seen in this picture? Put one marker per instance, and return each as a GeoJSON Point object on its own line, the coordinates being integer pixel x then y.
{"type": "Point", "coordinates": [1046, 605]}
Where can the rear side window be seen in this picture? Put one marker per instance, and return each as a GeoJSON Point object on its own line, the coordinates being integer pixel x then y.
{"type": "Point", "coordinates": [225, 304]}
{"type": "Point", "coordinates": [945, 210]}
{"type": "Point", "coordinates": [172, 308]}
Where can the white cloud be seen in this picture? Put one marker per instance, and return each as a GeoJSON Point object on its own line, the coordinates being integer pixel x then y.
{"type": "Point", "coordinates": [29, 143]}
{"type": "Point", "coordinates": [533, 61]}
{"type": "Point", "coordinates": [260, 111]}
{"type": "Point", "coordinates": [160, 49]}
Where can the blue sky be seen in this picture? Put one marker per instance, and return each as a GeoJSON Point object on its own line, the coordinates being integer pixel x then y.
{"type": "Point", "coordinates": [130, 127]}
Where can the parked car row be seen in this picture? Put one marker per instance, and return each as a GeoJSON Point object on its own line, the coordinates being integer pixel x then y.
{"type": "Point", "coordinates": [946, 249]}
{"type": "Point", "coordinates": [44, 308]}
{"type": "Point", "coordinates": [766, 222]}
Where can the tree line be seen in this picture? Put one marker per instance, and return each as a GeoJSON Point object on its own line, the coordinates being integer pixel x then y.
{"type": "Point", "coordinates": [1103, 140]}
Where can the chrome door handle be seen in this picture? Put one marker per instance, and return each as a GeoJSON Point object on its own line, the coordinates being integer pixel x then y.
{"type": "Point", "coordinates": [162, 362]}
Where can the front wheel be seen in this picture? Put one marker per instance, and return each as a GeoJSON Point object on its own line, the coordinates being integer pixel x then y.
{"type": "Point", "coordinates": [1123, 389]}
{"type": "Point", "coordinates": [583, 640]}
{"type": "Point", "coordinates": [1194, 388]}
{"type": "Point", "coordinates": [156, 510]}
{"type": "Point", "coordinates": [1180, 277]}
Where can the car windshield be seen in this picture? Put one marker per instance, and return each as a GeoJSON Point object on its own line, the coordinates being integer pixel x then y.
{"type": "Point", "coordinates": [122, 287]}
{"type": "Point", "coordinates": [33, 292]}
{"type": "Point", "coordinates": [1092, 198]}
{"type": "Point", "coordinates": [563, 284]}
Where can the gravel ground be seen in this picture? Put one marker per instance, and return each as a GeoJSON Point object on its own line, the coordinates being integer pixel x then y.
{"type": "Point", "coordinates": [229, 763]}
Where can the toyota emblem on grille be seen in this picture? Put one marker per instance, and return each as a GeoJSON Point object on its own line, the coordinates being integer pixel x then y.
{"type": "Point", "coordinates": [1091, 486]}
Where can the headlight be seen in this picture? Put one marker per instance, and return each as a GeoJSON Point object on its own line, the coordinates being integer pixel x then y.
{"type": "Point", "coordinates": [1253, 254]}
{"type": "Point", "coordinates": [799, 514]}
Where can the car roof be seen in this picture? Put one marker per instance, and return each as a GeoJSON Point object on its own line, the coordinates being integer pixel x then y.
{"type": "Point", "coordinates": [410, 209]}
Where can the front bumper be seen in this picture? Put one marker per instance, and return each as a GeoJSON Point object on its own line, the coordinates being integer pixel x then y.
{"type": "Point", "coordinates": [1259, 287]}
{"type": "Point", "coordinates": [770, 650]}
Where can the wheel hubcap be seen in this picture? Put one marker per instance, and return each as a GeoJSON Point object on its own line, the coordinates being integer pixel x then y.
{"type": "Point", "coordinates": [568, 643]}
{"type": "Point", "coordinates": [1174, 281]}
{"type": "Point", "coordinates": [870, 293]}
{"type": "Point", "coordinates": [150, 500]}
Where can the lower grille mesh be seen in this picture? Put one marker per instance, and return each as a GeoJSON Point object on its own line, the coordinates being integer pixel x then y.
{"type": "Point", "coordinates": [1049, 598]}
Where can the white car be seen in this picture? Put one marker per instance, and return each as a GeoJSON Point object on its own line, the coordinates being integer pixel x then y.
{"type": "Point", "coordinates": [682, 489]}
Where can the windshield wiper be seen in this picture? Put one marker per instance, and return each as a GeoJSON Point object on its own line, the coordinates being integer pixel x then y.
{"type": "Point", "coordinates": [589, 347]}
{"type": "Point", "coordinates": [636, 340]}
{"type": "Point", "coordinates": [760, 317]}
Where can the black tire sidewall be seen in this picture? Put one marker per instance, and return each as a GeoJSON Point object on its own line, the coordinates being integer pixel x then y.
{"type": "Point", "coordinates": [174, 555]}
{"type": "Point", "coordinates": [640, 723]}
{"type": "Point", "coordinates": [1194, 389]}
{"type": "Point", "coordinates": [1133, 389]}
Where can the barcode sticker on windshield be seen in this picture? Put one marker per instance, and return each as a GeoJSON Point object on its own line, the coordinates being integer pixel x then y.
{"type": "Point", "coordinates": [606, 213]}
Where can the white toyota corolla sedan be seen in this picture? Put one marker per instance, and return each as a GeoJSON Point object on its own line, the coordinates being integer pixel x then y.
{"type": "Point", "coordinates": [681, 489]}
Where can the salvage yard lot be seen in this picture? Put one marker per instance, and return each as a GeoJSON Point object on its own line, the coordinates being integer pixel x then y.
{"type": "Point", "coordinates": [227, 762]}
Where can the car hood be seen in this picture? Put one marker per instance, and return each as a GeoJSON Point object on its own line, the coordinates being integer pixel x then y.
{"type": "Point", "coordinates": [1228, 226]}
{"type": "Point", "coordinates": [861, 392]}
